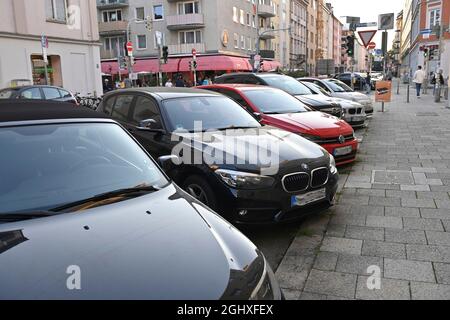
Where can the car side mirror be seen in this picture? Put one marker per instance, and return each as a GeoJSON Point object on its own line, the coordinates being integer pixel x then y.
{"type": "Point", "coordinates": [167, 163]}
{"type": "Point", "coordinates": [149, 125]}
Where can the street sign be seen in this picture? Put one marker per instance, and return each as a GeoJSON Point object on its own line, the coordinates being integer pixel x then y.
{"type": "Point", "coordinates": [372, 46]}
{"type": "Point", "coordinates": [258, 58]}
{"type": "Point", "coordinates": [44, 42]}
{"type": "Point", "coordinates": [159, 36]}
{"type": "Point", "coordinates": [383, 91]}
{"type": "Point", "coordinates": [366, 25]}
{"type": "Point", "coordinates": [130, 48]}
{"type": "Point", "coordinates": [425, 31]}
{"type": "Point", "coordinates": [194, 53]}
{"type": "Point", "coordinates": [367, 36]}
{"type": "Point", "coordinates": [386, 21]}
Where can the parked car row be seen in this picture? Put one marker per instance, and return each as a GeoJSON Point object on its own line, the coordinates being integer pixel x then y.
{"type": "Point", "coordinates": [155, 179]}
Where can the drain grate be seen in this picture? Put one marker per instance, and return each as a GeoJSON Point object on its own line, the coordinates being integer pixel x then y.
{"type": "Point", "coordinates": [392, 177]}
{"type": "Point", "coordinates": [427, 114]}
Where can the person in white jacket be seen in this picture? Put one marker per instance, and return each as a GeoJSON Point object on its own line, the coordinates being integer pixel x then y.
{"type": "Point", "coordinates": [419, 78]}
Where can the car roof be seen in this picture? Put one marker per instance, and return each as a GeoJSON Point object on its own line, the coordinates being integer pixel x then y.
{"type": "Point", "coordinates": [28, 110]}
{"type": "Point", "coordinates": [237, 86]}
{"type": "Point", "coordinates": [33, 86]}
{"type": "Point", "coordinates": [163, 93]}
{"type": "Point", "coordinates": [262, 74]}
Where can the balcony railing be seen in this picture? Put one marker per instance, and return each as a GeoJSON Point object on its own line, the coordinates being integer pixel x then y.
{"type": "Point", "coordinates": [108, 54]}
{"type": "Point", "coordinates": [267, 33]}
{"type": "Point", "coordinates": [266, 11]}
{"type": "Point", "coordinates": [111, 4]}
{"type": "Point", "coordinates": [185, 21]}
{"type": "Point", "coordinates": [186, 48]}
{"type": "Point", "coordinates": [112, 27]}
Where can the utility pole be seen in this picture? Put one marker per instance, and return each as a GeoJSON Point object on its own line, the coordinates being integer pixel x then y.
{"type": "Point", "coordinates": [149, 22]}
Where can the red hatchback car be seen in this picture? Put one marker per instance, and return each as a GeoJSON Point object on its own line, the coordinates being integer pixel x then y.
{"type": "Point", "coordinates": [279, 109]}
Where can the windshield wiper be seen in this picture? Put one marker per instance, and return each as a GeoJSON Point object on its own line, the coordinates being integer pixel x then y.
{"type": "Point", "coordinates": [236, 128]}
{"type": "Point", "coordinates": [129, 192]}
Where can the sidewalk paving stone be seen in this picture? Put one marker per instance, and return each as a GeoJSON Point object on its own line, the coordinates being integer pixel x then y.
{"type": "Point", "coordinates": [409, 270]}
{"type": "Point", "coordinates": [442, 271]}
{"type": "Point", "coordinates": [428, 253]}
{"type": "Point", "coordinates": [406, 236]}
{"type": "Point", "coordinates": [384, 249]}
{"type": "Point", "coordinates": [357, 264]}
{"type": "Point", "coordinates": [341, 245]}
{"type": "Point", "coordinates": [423, 224]}
{"type": "Point", "coordinates": [331, 283]}
{"type": "Point", "coordinates": [428, 291]}
{"type": "Point", "coordinates": [438, 238]}
{"type": "Point", "coordinates": [364, 233]}
{"type": "Point", "coordinates": [384, 222]}
{"type": "Point", "coordinates": [389, 290]}
{"type": "Point", "coordinates": [402, 212]}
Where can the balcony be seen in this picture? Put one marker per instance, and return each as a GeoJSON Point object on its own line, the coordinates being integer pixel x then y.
{"type": "Point", "coordinates": [112, 4]}
{"type": "Point", "coordinates": [266, 11]}
{"type": "Point", "coordinates": [107, 54]}
{"type": "Point", "coordinates": [266, 33]}
{"type": "Point", "coordinates": [185, 21]}
{"type": "Point", "coordinates": [186, 48]}
{"type": "Point", "coordinates": [111, 28]}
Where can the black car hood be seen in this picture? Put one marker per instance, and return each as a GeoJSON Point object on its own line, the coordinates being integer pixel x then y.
{"type": "Point", "coordinates": [127, 253]}
{"type": "Point", "coordinates": [289, 147]}
{"type": "Point", "coordinates": [317, 100]}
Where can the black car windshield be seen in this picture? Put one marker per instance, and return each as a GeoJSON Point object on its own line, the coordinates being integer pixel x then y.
{"type": "Point", "coordinates": [6, 93]}
{"type": "Point", "coordinates": [288, 84]}
{"type": "Point", "coordinates": [207, 113]}
{"type": "Point", "coordinates": [273, 101]}
{"type": "Point", "coordinates": [315, 89]}
{"type": "Point", "coordinates": [47, 166]}
{"type": "Point", "coordinates": [338, 86]}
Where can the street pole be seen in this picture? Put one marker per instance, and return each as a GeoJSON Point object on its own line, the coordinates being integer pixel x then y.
{"type": "Point", "coordinates": [160, 79]}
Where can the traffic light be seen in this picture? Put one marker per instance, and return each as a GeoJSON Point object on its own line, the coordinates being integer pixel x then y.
{"type": "Point", "coordinates": [425, 52]}
{"type": "Point", "coordinates": [351, 46]}
{"type": "Point", "coordinates": [165, 54]}
{"type": "Point", "coordinates": [125, 48]}
{"type": "Point", "coordinates": [195, 64]}
{"type": "Point", "coordinates": [149, 23]}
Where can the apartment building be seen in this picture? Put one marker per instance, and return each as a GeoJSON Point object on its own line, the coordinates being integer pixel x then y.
{"type": "Point", "coordinates": [431, 15]}
{"type": "Point", "coordinates": [73, 44]}
{"type": "Point", "coordinates": [298, 55]}
{"type": "Point", "coordinates": [312, 35]}
{"type": "Point", "coordinates": [281, 41]}
{"type": "Point", "coordinates": [224, 33]}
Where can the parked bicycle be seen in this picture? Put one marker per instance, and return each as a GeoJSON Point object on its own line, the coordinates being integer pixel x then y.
{"type": "Point", "coordinates": [89, 101]}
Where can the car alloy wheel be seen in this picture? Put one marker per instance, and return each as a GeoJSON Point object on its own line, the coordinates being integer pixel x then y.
{"type": "Point", "coordinates": [198, 193]}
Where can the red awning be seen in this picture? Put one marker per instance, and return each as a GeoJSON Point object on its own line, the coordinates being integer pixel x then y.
{"type": "Point", "coordinates": [270, 66]}
{"type": "Point", "coordinates": [204, 63]}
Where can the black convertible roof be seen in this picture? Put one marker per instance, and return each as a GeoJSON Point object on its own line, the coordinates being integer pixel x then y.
{"type": "Point", "coordinates": [28, 110]}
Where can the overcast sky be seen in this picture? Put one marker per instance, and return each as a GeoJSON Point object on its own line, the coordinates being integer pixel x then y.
{"type": "Point", "coordinates": [368, 10]}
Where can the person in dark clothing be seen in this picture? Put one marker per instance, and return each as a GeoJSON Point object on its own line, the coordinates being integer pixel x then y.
{"type": "Point", "coordinates": [180, 82]}
{"type": "Point", "coordinates": [368, 83]}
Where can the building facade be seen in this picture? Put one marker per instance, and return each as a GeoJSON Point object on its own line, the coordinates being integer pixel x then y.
{"type": "Point", "coordinates": [298, 54]}
{"type": "Point", "coordinates": [312, 35]}
{"type": "Point", "coordinates": [73, 44]}
{"type": "Point", "coordinates": [223, 29]}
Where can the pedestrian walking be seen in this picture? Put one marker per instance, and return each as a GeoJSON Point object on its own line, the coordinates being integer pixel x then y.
{"type": "Point", "coordinates": [180, 82]}
{"type": "Point", "coordinates": [419, 78]}
{"type": "Point", "coordinates": [437, 80]}
{"type": "Point", "coordinates": [368, 83]}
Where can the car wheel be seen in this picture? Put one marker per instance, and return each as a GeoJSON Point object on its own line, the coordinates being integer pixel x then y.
{"type": "Point", "coordinates": [198, 188]}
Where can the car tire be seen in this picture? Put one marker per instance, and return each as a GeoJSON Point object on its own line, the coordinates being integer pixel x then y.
{"type": "Point", "coordinates": [198, 188]}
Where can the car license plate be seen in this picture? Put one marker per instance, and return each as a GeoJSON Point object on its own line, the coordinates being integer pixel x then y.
{"type": "Point", "coordinates": [343, 151]}
{"type": "Point", "coordinates": [305, 199]}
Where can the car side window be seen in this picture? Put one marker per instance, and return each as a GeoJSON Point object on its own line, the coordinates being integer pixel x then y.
{"type": "Point", "coordinates": [65, 94]}
{"type": "Point", "coordinates": [146, 109]}
{"type": "Point", "coordinates": [238, 98]}
{"type": "Point", "coordinates": [320, 84]}
{"type": "Point", "coordinates": [251, 80]}
{"type": "Point", "coordinates": [229, 80]}
{"type": "Point", "coordinates": [122, 107]}
{"type": "Point", "coordinates": [33, 94]}
{"type": "Point", "coordinates": [108, 105]}
{"type": "Point", "coordinates": [51, 93]}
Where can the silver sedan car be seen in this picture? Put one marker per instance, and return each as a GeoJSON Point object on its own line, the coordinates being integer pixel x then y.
{"type": "Point", "coordinates": [338, 89]}
{"type": "Point", "coordinates": [353, 112]}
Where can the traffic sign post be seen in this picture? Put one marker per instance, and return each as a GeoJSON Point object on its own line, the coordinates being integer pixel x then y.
{"type": "Point", "coordinates": [194, 65]}
{"type": "Point", "coordinates": [44, 45]}
{"type": "Point", "coordinates": [367, 36]}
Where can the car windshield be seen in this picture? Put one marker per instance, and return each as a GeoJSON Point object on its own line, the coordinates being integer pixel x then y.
{"type": "Point", "coordinates": [271, 101]}
{"type": "Point", "coordinates": [206, 113]}
{"type": "Point", "coordinates": [6, 93]}
{"type": "Point", "coordinates": [47, 166]}
{"type": "Point", "coordinates": [315, 89]}
{"type": "Point", "coordinates": [288, 84]}
{"type": "Point", "coordinates": [338, 86]}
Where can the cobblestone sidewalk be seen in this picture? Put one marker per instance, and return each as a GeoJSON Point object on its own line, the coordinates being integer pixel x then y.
{"type": "Point", "coordinates": [393, 212]}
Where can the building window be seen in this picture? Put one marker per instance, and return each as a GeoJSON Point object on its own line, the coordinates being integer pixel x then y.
{"type": "Point", "coordinates": [140, 13]}
{"type": "Point", "coordinates": [236, 41]}
{"type": "Point", "coordinates": [235, 15]}
{"type": "Point", "coordinates": [187, 37]}
{"type": "Point", "coordinates": [56, 10]}
{"type": "Point", "coordinates": [434, 18]}
{"type": "Point", "coordinates": [115, 46]}
{"type": "Point", "coordinates": [242, 17]}
{"type": "Point", "coordinates": [163, 40]}
{"type": "Point", "coordinates": [112, 15]}
{"type": "Point", "coordinates": [192, 7]}
{"type": "Point", "coordinates": [158, 12]}
{"type": "Point", "coordinates": [142, 42]}
{"type": "Point", "coordinates": [242, 42]}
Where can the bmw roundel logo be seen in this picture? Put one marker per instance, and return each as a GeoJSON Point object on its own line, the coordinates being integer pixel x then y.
{"type": "Point", "coordinates": [304, 166]}
{"type": "Point", "coordinates": [341, 139]}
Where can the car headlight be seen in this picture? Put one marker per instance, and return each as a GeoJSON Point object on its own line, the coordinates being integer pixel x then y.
{"type": "Point", "coordinates": [333, 168]}
{"type": "Point", "coordinates": [267, 287]}
{"type": "Point", "coordinates": [245, 180]}
{"type": "Point", "coordinates": [310, 137]}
